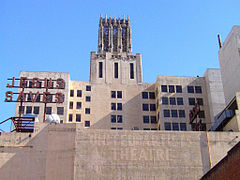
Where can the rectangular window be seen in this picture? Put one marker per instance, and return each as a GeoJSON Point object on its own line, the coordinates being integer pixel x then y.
{"type": "Point", "coordinates": [113, 106]}
{"type": "Point", "coordinates": [70, 105]}
{"type": "Point", "coordinates": [60, 110]}
{"type": "Point", "coordinates": [88, 88]}
{"type": "Point", "coordinates": [79, 93]}
{"type": "Point", "coordinates": [181, 113]}
{"type": "Point", "coordinates": [164, 88]}
{"type": "Point", "coordinates": [172, 101]}
{"type": "Point", "coordinates": [171, 89]}
{"type": "Point", "coordinates": [113, 128]}
{"type": "Point", "coordinates": [145, 119]}
{"type": "Point", "coordinates": [88, 98]}
{"type": "Point", "coordinates": [200, 101]}
{"type": "Point", "coordinates": [151, 95]}
{"type": "Point", "coordinates": [119, 106]}
{"type": "Point", "coordinates": [183, 126]}
{"type": "Point", "coordinates": [100, 69]}
{"type": "Point", "coordinates": [87, 110]}
{"type": "Point", "coordinates": [190, 89]}
{"type": "Point", "coordinates": [36, 110]}
{"type": "Point", "coordinates": [145, 107]}
{"type": "Point", "coordinates": [48, 110]}
{"type": "Point", "coordinates": [131, 71]}
{"type": "Point", "coordinates": [174, 113]}
{"type": "Point", "coordinates": [78, 117]}
{"type": "Point", "coordinates": [113, 119]}
{"type": "Point", "coordinates": [116, 70]}
{"type": "Point", "coordinates": [153, 120]}
{"type": "Point", "coordinates": [87, 123]}
{"type": "Point", "coordinates": [152, 107]}
{"type": "Point", "coordinates": [119, 119]}
{"type": "Point", "coordinates": [191, 101]}
{"type": "Point", "coordinates": [79, 105]}
{"type": "Point", "coordinates": [29, 110]}
{"type": "Point", "coordinates": [201, 114]}
{"type": "Point", "coordinates": [70, 117]}
{"type": "Point", "coordinates": [175, 126]}
{"type": "Point", "coordinates": [71, 93]}
{"type": "Point", "coordinates": [145, 95]}
{"type": "Point", "coordinates": [146, 129]}
{"type": "Point", "coordinates": [119, 94]}
{"type": "Point", "coordinates": [179, 89]}
{"type": "Point", "coordinates": [167, 126]}
{"type": "Point", "coordinates": [179, 101]}
{"type": "Point", "coordinates": [166, 113]}
{"type": "Point", "coordinates": [165, 100]}
{"type": "Point", "coordinates": [119, 128]}
{"type": "Point", "coordinates": [38, 98]}
{"type": "Point", "coordinates": [198, 89]}
{"type": "Point", "coordinates": [113, 94]}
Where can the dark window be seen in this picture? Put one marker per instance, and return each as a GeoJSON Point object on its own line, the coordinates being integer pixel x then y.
{"type": "Point", "coordinates": [100, 75]}
{"type": "Point", "coordinates": [78, 117]}
{"type": "Point", "coordinates": [145, 119]}
{"type": "Point", "coordinates": [36, 110]}
{"type": "Point", "coordinates": [61, 121]}
{"type": "Point", "coordinates": [113, 119]}
{"type": "Point", "coordinates": [88, 98]}
{"type": "Point", "coordinates": [175, 126]}
{"type": "Point", "coordinates": [191, 101]}
{"type": "Point", "coordinates": [171, 89]}
{"type": "Point", "coordinates": [49, 97]}
{"type": "Point", "coordinates": [48, 110]}
{"type": "Point", "coordinates": [131, 71]}
{"type": "Point", "coordinates": [116, 70]}
{"type": "Point", "coordinates": [198, 89]}
{"type": "Point", "coordinates": [151, 95]}
{"type": "Point", "coordinates": [153, 119]}
{"type": "Point", "coordinates": [201, 114]}
{"type": "Point", "coordinates": [179, 89]}
{"type": "Point", "coordinates": [87, 123]}
{"type": "Point", "coordinates": [164, 100]}
{"type": "Point", "coordinates": [119, 94]}
{"type": "Point", "coordinates": [70, 105]}
{"type": "Point", "coordinates": [152, 107]}
{"type": "Point", "coordinates": [164, 88]}
{"type": "Point", "coordinates": [79, 105]}
{"type": "Point", "coordinates": [113, 106]}
{"type": "Point", "coordinates": [87, 110]}
{"type": "Point", "coordinates": [119, 128]}
{"type": "Point", "coordinates": [29, 99]}
{"type": "Point", "coordinates": [119, 106]}
{"type": "Point", "coordinates": [172, 100]}
{"type": "Point", "coordinates": [88, 88]}
{"type": "Point", "coordinates": [29, 110]}
{"type": "Point", "coordinates": [71, 93]}
{"type": "Point", "coordinates": [167, 126]}
{"type": "Point", "coordinates": [166, 113]}
{"type": "Point", "coordinates": [190, 89]}
{"type": "Point", "coordinates": [38, 98]}
{"type": "Point", "coordinates": [79, 93]}
{"type": "Point", "coordinates": [146, 129]}
{"type": "Point", "coordinates": [179, 101]}
{"type": "Point", "coordinates": [70, 117]}
{"type": "Point", "coordinates": [154, 129]}
{"type": "Point", "coordinates": [145, 107]}
{"type": "Point", "coordinates": [174, 113]}
{"type": "Point", "coordinates": [145, 95]}
{"type": "Point", "coordinates": [183, 126]}
{"type": "Point", "coordinates": [113, 94]}
{"type": "Point", "coordinates": [200, 101]}
{"type": "Point", "coordinates": [181, 113]}
{"type": "Point", "coordinates": [60, 110]}
{"type": "Point", "coordinates": [113, 128]}
{"type": "Point", "coordinates": [119, 118]}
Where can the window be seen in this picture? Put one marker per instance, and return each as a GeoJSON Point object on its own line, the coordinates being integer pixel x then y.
{"type": "Point", "coordinates": [87, 123]}
{"type": "Point", "coordinates": [167, 126]}
{"type": "Point", "coordinates": [166, 113]}
{"type": "Point", "coordinates": [100, 68]}
{"type": "Point", "coordinates": [144, 95]}
{"type": "Point", "coordinates": [113, 94]}
{"type": "Point", "coordinates": [49, 97]}
{"type": "Point", "coordinates": [190, 89]}
{"type": "Point", "coordinates": [201, 114]}
{"type": "Point", "coordinates": [191, 101]}
{"type": "Point", "coordinates": [116, 70]}
{"type": "Point", "coordinates": [200, 101]}
{"type": "Point", "coordinates": [175, 126]}
{"type": "Point", "coordinates": [71, 93]}
{"type": "Point", "coordinates": [119, 106]}
{"type": "Point", "coordinates": [119, 118]}
{"type": "Point", "coordinates": [152, 107]}
{"type": "Point", "coordinates": [113, 128]}
{"type": "Point", "coordinates": [145, 119]}
{"type": "Point", "coordinates": [78, 117]}
{"type": "Point", "coordinates": [151, 95]}
{"type": "Point", "coordinates": [146, 129]}
{"type": "Point", "coordinates": [181, 113]}
{"type": "Point", "coordinates": [70, 117]}
{"type": "Point", "coordinates": [119, 128]}
{"type": "Point", "coordinates": [38, 98]}
{"type": "Point", "coordinates": [113, 106]}
{"type": "Point", "coordinates": [29, 99]}
{"type": "Point", "coordinates": [183, 126]}
{"type": "Point", "coordinates": [79, 105]}
{"type": "Point", "coordinates": [87, 110]}
{"type": "Point", "coordinates": [79, 93]}
{"type": "Point", "coordinates": [113, 118]}
{"type": "Point", "coordinates": [119, 94]}
{"type": "Point", "coordinates": [198, 89]}
{"type": "Point", "coordinates": [88, 88]}
{"type": "Point", "coordinates": [60, 110]}
{"type": "Point", "coordinates": [153, 120]}
{"type": "Point", "coordinates": [154, 129]}
{"type": "Point", "coordinates": [48, 110]}
{"type": "Point", "coordinates": [88, 98]}
{"type": "Point", "coordinates": [164, 100]}
{"type": "Point", "coordinates": [164, 88]}
{"type": "Point", "coordinates": [179, 89]}
{"type": "Point", "coordinates": [179, 101]}
{"type": "Point", "coordinates": [70, 105]}
{"type": "Point", "coordinates": [29, 110]}
{"type": "Point", "coordinates": [172, 100]}
{"type": "Point", "coordinates": [171, 89]}
{"type": "Point", "coordinates": [131, 71]}
{"type": "Point", "coordinates": [36, 110]}
{"type": "Point", "coordinates": [174, 113]}
{"type": "Point", "coordinates": [145, 107]}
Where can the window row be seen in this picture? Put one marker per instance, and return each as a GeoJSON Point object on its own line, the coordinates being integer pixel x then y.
{"type": "Point", "coordinates": [79, 92]}
{"type": "Point", "coordinates": [196, 89]}
{"type": "Point", "coordinates": [116, 69]}
{"type": "Point", "coordinates": [147, 119]}
{"type": "Point", "coordinates": [78, 105]}
{"type": "Point", "coordinates": [193, 101]}
{"type": "Point", "coordinates": [172, 101]}
{"type": "Point", "coordinates": [116, 119]}
{"type": "Point", "coordinates": [77, 118]}
{"type": "Point", "coordinates": [116, 94]}
{"type": "Point", "coordinates": [174, 113]}
{"type": "Point", "coordinates": [175, 126]}
{"type": "Point", "coordinates": [116, 128]}
{"type": "Point", "coordinates": [36, 110]}
{"type": "Point", "coordinates": [148, 107]}
{"type": "Point", "coordinates": [116, 106]}
{"type": "Point", "coordinates": [148, 129]}
{"type": "Point", "coordinates": [171, 88]}
{"type": "Point", "coordinates": [148, 95]}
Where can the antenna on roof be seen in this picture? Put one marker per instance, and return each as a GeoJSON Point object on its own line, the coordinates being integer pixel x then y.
{"type": "Point", "coordinates": [219, 41]}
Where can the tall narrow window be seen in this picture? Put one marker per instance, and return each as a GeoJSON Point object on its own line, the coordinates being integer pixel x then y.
{"type": "Point", "coordinates": [131, 71]}
{"type": "Point", "coordinates": [100, 66]}
{"type": "Point", "coordinates": [116, 70]}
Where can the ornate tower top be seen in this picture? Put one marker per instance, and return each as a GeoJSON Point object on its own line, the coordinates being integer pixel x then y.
{"type": "Point", "coordinates": [114, 35]}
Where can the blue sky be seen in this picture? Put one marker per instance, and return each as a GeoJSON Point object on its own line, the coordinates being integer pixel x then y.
{"type": "Point", "coordinates": [176, 38]}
